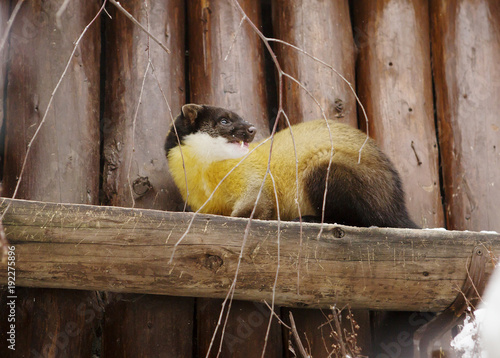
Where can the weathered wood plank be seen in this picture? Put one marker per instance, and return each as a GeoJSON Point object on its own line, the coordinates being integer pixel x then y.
{"type": "Point", "coordinates": [63, 164]}
{"type": "Point", "coordinates": [395, 85]}
{"type": "Point", "coordinates": [322, 29]}
{"type": "Point", "coordinates": [137, 118]}
{"type": "Point", "coordinates": [128, 250]}
{"type": "Point", "coordinates": [465, 40]}
{"type": "Point", "coordinates": [226, 59]}
{"type": "Point", "coordinates": [4, 17]}
{"type": "Point", "coordinates": [227, 69]}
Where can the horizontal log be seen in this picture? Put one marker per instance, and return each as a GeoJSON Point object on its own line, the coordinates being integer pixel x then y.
{"type": "Point", "coordinates": [128, 250]}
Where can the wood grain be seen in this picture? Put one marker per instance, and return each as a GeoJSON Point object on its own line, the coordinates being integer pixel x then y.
{"type": "Point", "coordinates": [466, 52]}
{"type": "Point", "coordinates": [4, 17]}
{"type": "Point", "coordinates": [395, 85]}
{"type": "Point", "coordinates": [226, 60]}
{"type": "Point", "coordinates": [227, 69]}
{"type": "Point", "coordinates": [140, 101]}
{"type": "Point", "coordinates": [128, 250]}
{"type": "Point", "coordinates": [63, 164]}
{"type": "Point", "coordinates": [322, 29]}
{"type": "Point", "coordinates": [64, 161]}
{"type": "Point", "coordinates": [142, 97]}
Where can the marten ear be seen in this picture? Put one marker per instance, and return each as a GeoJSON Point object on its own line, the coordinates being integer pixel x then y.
{"type": "Point", "coordinates": [190, 111]}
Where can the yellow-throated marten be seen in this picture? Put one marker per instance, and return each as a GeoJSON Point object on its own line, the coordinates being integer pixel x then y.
{"type": "Point", "coordinates": [213, 140]}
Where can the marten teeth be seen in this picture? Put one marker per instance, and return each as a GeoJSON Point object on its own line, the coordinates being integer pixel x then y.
{"type": "Point", "coordinates": [242, 144]}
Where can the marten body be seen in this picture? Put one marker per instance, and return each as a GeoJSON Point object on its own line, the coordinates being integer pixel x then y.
{"type": "Point", "coordinates": [367, 193]}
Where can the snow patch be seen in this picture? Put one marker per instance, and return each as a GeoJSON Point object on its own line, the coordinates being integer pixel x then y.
{"type": "Point", "coordinates": [479, 337]}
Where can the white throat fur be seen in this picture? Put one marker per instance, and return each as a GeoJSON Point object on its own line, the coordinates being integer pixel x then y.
{"type": "Point", "coordinates": [212, 149]}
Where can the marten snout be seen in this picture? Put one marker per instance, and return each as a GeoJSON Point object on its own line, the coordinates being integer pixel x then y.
{"type": "Point", "coordinates": [247, 134]}
{"type": "Point", "coordinates": [239, 131]}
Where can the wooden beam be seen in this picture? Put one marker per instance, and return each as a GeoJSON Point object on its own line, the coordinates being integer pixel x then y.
{"type": "Point", "coordinates": [128, 250]}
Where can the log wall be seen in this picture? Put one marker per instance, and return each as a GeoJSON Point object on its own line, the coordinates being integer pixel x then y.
{"type": "Point", "coordinates": [4, 17]}
{"type": "Point", "coordinates": [226, 68]}
{"type": "Point", "coordinates": [445, 143]}
{"type": "Point", "coordinates": [323, 30]}
{"type": "Point", "coordinates": [466, 50]}
{"type": "Point", "coordinates": [395, 85]}
{"type": "Point", "coordinates": [63, 164]}
{"type": "Point", "coordinates": [145, 86]}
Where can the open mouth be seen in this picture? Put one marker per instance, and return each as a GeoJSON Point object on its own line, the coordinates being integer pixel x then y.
{"type": "Point", "coordinates": [240, 143]}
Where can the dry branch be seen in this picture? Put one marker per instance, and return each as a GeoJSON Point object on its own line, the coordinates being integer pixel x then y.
{"type": "Point", "coordinates": [127, 250]}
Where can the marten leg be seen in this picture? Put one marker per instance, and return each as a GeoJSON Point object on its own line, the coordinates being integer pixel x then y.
{"type": "Point", "coordinates": [244, 206]}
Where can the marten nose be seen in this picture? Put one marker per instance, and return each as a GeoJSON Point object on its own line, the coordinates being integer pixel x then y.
{"type": "Point", "coordinates": [251, 132]}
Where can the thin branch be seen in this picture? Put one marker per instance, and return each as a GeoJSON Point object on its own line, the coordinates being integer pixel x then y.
{"type": "Point", "coordinates": [280, 321]}
{"type": "Point", "coordinates": [44, 118]}
{"type": "Point", "coordinates": [275, 284]}
{"type": "Point", "coordinates": [9, 24]}
{"type": "Point", "coordinates": [343, 79]}
{"type": "Point", "coordinates": [234, 38]}
{"type": "Point", "coordinates": [208, 200]}
{"type": "Point", "coordinates": [296, 337]}
{"type": "Point", "coordinates": [243, 244]}
{"type": "Point", "coordinates": [172, 120]}
{"type": "Point", "coordinates": [127, 14]}
{"type": "Point", "coordinates": [60, 12]}
{"type": "Point", "coordinates": [339, 331]}
{"type": "Point", "coordinates": [134, 121]}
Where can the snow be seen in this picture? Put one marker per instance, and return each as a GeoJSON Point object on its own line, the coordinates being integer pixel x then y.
{"type": "Point", "coordinates": [489, 232]}
{"type": "Point", "coordinates": [480, 334]}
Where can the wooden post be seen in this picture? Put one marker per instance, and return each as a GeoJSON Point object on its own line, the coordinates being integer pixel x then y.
{"type": "Point", "coordinates": [226, 60]}
{"type": "Point", "coordinates": [323, 30]}
{"type": "Point", "coordinates": [63, 164]}
{"type": "Point", "coordinates": [145, 89]}
{"type": "Point", "coordinates": [4, 17]}
{"type": "Point", "coordinates": [395, 86]}
{"type": "Point", "coordinates": [466, 52]}
{"type": "Point", "coordinates": [226, 68]}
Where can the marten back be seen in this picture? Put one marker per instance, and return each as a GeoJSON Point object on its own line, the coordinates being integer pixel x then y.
{"type": "Point", "coordinates": [364, 193]}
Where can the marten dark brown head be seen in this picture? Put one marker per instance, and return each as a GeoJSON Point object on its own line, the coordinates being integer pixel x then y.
{"type": "Point", "coordinates": [215, 121]}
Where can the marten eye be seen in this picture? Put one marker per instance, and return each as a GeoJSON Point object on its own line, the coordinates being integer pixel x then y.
{"type": "Point", "coordinates": [224, 121]}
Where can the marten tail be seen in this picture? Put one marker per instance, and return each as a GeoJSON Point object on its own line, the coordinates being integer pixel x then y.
{"type": "Point", "coordinates": [359, 196]}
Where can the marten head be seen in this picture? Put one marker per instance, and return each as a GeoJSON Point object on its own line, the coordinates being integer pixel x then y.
{"type": "Point", "coordinates": [217, 132]}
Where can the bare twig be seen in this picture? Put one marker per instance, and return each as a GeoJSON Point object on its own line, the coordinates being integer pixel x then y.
{"type": "Point", "coordinates": [343, 79]}
{"type": "Point", "coordinates": [278, 243]}
{"type": "Point", "coordinates": [245, 237]}
{"type": "Point", "coordinates": [60, 12]}
{"type": "Point", "coordinates": [44, 118]}
{"type": "Point", "coordinates": [175, 131]}
{"type": "Point", "coordinates": [127, 14]}
{"type": "Point", "coordinates": [234, 37]}
{"type": "Point", "coordinates": [208, 200]}
{"type": "Point", "coordinates": [134, 121]}
{"type": "Point", "coordinates": [9, 24]}
{"type": "Point", "coordinates": [296, 337]}
{"type": "Point", "coordinates": [339, 331]}
{"type": "Point", "coordinates": [280, 321]}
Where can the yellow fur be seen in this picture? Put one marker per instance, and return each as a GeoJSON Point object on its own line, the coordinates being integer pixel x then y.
{"type": "Point", "coordinates": [237, 194]}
